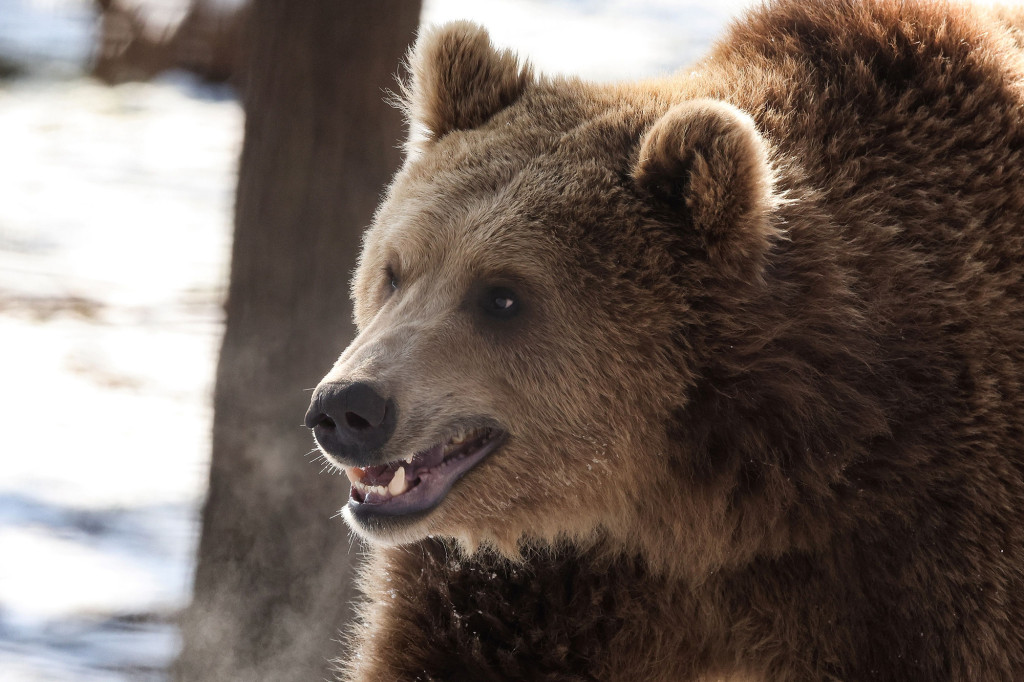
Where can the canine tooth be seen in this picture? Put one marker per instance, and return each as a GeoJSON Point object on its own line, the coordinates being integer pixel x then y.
{"type": "Point", "coordinates": [408, 460]}
{"type": "Point", "coordinates": [397, 485]}
{"type": "Point", "coordinates": [459, 438]}
{"type": "Point", "coordinates": [355, 474]}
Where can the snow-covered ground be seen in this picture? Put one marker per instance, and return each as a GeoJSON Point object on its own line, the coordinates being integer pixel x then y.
{"type": "Point", "coordinates": [115, 210]}
{"type": "Point", "coordinates": [114, 239]}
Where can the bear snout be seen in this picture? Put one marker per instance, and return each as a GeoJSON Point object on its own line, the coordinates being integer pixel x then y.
{"type": "Point", "coordinates": [350, 421]}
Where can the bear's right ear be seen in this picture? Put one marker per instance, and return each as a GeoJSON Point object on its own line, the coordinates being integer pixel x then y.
{"type": "Point", "coordinates": [706, 159]}
{"type": "Point", "coordinates": [459, 80]}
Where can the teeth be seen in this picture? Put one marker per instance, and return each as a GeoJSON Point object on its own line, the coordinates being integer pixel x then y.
{"type": "Point", "coordinates": [408, 460]}
{"type": "Point", "coordinates": [459, 438]}
{"type": "Point", "coordinates": [355, 475]}
{"type": "Point", "coordinates": [397, 485]}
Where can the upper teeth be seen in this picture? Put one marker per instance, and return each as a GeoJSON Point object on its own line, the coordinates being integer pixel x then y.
{"type": "Point", "coordinates": [355, 474]}
{"type": "Point", "coordinates": [397, 485]}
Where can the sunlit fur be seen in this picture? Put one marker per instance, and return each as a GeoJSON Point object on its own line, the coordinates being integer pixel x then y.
{"type": "Point", "coordinates": [764, 397]}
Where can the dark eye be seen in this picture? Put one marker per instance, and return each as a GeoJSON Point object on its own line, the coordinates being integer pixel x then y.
{"type": "Point", "coordinates": [500, 302]}
{"type": "Point", "coordinates": [392, 279]}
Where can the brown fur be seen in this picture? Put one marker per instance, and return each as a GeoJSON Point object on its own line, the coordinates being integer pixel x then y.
{"type": "Point", "coordinates": [764, 396]}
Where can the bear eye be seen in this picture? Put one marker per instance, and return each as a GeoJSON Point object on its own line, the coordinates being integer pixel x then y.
{"type": "Point", "coordinates": [392, 279]}
{"type": "Point", "coordinates": [500, 302]}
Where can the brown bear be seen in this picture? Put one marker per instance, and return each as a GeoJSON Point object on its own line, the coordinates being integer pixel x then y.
{"type": "Point", "coordinates": [717, 377]}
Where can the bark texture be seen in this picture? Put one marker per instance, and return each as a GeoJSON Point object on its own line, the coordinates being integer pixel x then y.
{"type": "Point", "coordinates": [273, 584]}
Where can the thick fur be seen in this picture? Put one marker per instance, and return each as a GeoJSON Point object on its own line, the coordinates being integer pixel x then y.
{"type": "Point", "coordinates": [764, 397]}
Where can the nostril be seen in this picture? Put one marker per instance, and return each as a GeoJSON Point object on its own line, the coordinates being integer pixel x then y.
{"type": "Point", "coordinates": [315, 418]}
{"type": "Point", "coordinates": [320, 421]}
{"type": "Point", "coordinates": [356, 422]}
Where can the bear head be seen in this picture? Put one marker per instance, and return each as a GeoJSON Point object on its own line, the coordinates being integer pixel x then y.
{"type": "Point", "coordinates": [530, 298]}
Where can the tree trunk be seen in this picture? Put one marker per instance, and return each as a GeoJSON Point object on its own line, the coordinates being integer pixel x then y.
{"type": "Point", "coordinates": [274, 579]}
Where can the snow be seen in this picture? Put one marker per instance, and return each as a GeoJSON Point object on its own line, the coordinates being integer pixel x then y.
{"type": "Point", "coordinates": [52, 35]}
{"type": "Point", "coordinates": [114, 244]}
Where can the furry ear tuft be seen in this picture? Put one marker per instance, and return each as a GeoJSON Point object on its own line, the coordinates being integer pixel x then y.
{"type": "Point", "coordinates": [459, 80]}
{"type": "Point", "coordinates": [706, 158]}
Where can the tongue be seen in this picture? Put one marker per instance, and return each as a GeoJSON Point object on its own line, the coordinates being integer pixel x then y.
{"type": "Point", "coordinates": [382, 474]}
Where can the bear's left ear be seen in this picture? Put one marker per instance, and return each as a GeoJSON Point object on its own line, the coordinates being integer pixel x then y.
{"type": "Point", "coordinates": [459, 80]}
{"type": "Point", "coordinates": [706, 158]}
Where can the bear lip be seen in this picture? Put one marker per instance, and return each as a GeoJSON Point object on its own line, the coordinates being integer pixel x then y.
{"type": "Point", "coordinates": [420, 481]}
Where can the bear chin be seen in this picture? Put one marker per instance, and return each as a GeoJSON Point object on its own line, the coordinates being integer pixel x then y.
{"type": "Point", "coordinates": [389, 531]}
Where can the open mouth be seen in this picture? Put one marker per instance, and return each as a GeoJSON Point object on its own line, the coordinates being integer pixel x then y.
{"type": "Point", "coordinates": [420, 481]}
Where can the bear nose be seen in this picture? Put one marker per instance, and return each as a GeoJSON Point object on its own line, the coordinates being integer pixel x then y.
{"type": "Point", "coordinates": [350, 420]}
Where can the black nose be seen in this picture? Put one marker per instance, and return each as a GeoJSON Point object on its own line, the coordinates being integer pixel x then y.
{"type": "Point", "coordinates": [350, 420]}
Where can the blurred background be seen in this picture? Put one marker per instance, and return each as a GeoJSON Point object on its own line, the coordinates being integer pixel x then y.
{"type": "Point", "coordinates": [121, 134]}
